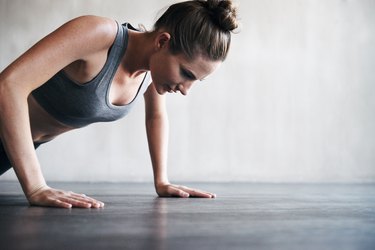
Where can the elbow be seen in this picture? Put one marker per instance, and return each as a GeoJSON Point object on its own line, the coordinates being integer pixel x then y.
{"type": "Point", "coordinates": [10, 94]}
{"type": "Point", "coordinates": [5, 88]}
{"type": "Point", "coordinates": [10, 89]}
{"type": "Point", "coordinates": [12, 86]}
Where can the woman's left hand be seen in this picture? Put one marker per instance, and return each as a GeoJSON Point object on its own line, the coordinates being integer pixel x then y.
{"type": "Point", "coordinates": [171, 190]}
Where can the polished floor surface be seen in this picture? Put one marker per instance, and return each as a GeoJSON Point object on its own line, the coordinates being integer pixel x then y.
{"type": "Point", "coordinates": [243, 216]}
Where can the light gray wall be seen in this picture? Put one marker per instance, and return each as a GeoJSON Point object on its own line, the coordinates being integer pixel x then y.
{"type": "Point", "coordinates": [294, 101]}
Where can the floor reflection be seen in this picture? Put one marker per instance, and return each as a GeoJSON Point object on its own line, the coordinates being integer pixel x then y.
{"type": "Point", "coordinates": [160, 220]}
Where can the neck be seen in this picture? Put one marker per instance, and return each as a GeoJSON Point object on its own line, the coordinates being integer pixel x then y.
{"type": "Point", "coordinates": [138, 53]}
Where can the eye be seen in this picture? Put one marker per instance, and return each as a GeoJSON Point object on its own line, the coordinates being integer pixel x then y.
{"type": "Point", "coordinates": [186, 74]}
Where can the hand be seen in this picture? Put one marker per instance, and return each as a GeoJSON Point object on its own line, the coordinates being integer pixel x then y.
{"type": "Point", "coordinates": [167, 190]}
{"type": "Point", "coordinates": [51, 197]}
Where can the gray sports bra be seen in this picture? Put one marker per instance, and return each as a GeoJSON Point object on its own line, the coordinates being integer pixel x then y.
{"type": "Point", "coordinates": [78, 105]}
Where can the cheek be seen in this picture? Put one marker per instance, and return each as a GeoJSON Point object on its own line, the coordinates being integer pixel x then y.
{"type": "Point", "coordinates": [164, 70]}
{"type": "Point", "coordinates": [163, 75]}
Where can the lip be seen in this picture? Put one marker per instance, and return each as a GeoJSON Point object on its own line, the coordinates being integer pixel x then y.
{"type": "Point", "coordinates": [169, 89]}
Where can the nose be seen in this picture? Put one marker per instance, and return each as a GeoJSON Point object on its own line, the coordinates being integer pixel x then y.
{"type": "Point", "coordinates": [185, 87]}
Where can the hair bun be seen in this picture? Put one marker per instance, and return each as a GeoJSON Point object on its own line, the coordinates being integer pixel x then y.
{"type": "Point", "coordinates": [224, 13]}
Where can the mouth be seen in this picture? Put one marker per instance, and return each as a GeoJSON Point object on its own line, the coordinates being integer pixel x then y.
{"type": "Point", "coordinates": [168, 89]}
{"type": "Point", "coordinates": [164, 88]}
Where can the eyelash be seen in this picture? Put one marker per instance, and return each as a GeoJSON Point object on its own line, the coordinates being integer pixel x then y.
{"type": "Point", "coordinates": [186, 75]}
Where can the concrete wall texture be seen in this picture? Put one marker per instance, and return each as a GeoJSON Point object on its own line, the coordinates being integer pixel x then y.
{"type": "Point", "coordinates": [294, 102]}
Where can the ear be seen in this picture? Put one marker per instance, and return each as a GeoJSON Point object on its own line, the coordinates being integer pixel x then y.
{"type": "Point", "coordinates": [162, 40]}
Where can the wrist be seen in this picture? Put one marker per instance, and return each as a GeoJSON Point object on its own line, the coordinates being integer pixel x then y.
{"type": "Point", "coordinates": [161, 182]}
{"type": "Point", "coordinates": [30, 180]}
{"type": "Point", "coordinates": [36, 189]}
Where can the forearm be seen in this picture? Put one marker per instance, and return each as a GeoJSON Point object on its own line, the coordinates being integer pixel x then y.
{"type": "Point", "coordinates": [157, 135]}
{"type": "Point", "coordinates": [16, 137]}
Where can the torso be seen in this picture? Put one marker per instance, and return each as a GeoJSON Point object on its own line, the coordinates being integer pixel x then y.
{"type": "Point", "coordinates": [43, 126]}
{"type": "Point", "coordinates": [123, 90]}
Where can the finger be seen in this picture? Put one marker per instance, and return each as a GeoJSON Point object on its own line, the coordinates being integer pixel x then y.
{"type": "Point", "coordinates": [84, 198]}
{"type": "Point", "coordinates": [89, 199]}
{"type": "Point", "coordinates": [52, 203]}
{"type": "Point", "coordinates": [75, 202]}
{"type": "Point", "coordinates": [198, 193]}
{"type": "Point", "coordinates": [59, 203]}
{"type": "Point", "coordinates": [174, 191]}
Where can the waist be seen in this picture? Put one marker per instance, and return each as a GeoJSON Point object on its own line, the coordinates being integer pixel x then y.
{"type": "Point", "coordinates": [43, 126]}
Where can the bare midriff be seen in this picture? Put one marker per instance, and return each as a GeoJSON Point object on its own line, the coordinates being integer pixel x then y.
{"type": "Point", "coordinates": [43, 126]}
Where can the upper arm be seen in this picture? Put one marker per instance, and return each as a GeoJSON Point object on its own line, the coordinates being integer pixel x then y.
{"type": "Point", "coordinates": [75, 40]}
{"type": "Point", "coordinates": [155, 103]}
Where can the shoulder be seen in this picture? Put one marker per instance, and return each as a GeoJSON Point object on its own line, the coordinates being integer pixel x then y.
{"type": "Point", "coordinates": [94, 29]}
{"type": "Point", "coordinates": [98, 23]}
{"type": "Point", "coordinates": [78, 39]}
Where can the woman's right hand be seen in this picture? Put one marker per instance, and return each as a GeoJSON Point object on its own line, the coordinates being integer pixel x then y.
{"type": "Point", "coordinates": [50, 197]}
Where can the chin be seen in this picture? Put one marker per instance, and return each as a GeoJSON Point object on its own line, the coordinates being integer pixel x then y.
{"type": "Point", "coordinates": [160, 91]}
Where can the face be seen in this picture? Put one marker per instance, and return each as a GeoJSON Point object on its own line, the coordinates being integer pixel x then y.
{"type": "Point", "coordinates": [176, 73]}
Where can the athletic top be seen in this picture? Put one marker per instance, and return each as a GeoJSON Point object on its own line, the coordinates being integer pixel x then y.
{"type": "Point", "coordinates": [78, 105]}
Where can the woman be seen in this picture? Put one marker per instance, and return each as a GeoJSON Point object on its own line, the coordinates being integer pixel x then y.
{"type": "Point", "coordinates": [80, 74]}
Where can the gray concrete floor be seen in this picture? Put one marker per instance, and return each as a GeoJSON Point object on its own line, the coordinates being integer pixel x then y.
{"type": "Point", "coordinates": [244, 216]}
